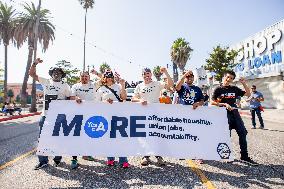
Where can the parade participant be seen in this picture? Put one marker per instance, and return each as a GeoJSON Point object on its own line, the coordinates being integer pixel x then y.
{"type": "Point", "coordinates": [149, 92]}
{"type": "Point", "coordinates": [84, 90]}
{"type": "Point", "coordinates": [225, 96]}
{"type": "Point", "coordinates": [112, 92]}
{"type": "Point", "coordinates": [54, 89]}
{"type": "Point", "coordinates": [189, 94]}
{"type": "Point", "coordinates": [255, 106]}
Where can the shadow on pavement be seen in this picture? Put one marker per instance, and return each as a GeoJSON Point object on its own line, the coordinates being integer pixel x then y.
{"type": "Point", "coordinates": [250, 175]}
{"type": "Point", "coordinates": [275, 130]}
{"type": "Point", "coordinates": [101, 176]}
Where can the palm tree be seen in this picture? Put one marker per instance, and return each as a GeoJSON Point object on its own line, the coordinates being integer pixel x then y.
{"type": "Point", "coordinates": [86, 5]}
{"type": "Point", "coordinates": [103, 67]}
{"type": "Point", "coordinates": [7, 26]}
{"type": "Point", "coordinates": [25, 31]}
{"type": "Point", "coordinates": [180, 53]}
{"type": "Point", "coordinates": [157, 73]}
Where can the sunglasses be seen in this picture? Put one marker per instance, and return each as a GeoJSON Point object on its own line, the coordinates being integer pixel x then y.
{"type": "Point", "coordinates": [190, 76]}
{"type": "Point", "coordinates": [109, 76]}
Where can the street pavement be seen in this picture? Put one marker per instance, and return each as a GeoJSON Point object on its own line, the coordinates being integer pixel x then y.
{"type": "Point", "coordinates": [19, 136]}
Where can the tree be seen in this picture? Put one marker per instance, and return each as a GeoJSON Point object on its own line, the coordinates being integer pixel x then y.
{"type": "Point", "coordinates": [220, 61]}
{"type": "Point", "coordinates": [25, 31]}
{"type": "Point", "coordinates": [157, 73]}
{"type": "Point", "coordinates": [103, 67]}
{"type": "Point", "coordinates": [10, 94]}
{"type": "Point", "coordinates": [18, 98]}
{"type": "Point", "coordinates": [1, 83]}
{"type": "Point", "coordinates": [86, 5]}
{"type": "Point", "coordinates": [180, 53]}
{"type": "Point", "coordinates": [71, 73]}
{"type": "Point", "coordinates": [7, 26]}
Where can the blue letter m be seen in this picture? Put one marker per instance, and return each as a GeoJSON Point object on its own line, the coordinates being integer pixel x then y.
{"type": "Point", "coordinates": [62, 122]}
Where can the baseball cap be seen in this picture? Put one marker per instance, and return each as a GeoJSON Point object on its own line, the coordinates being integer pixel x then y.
{"type": "Point", "coordinates": [146, 70]}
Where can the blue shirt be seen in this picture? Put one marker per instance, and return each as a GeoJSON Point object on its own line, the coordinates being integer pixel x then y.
{"type": "Point", "coordinates": [188, 95]}
{"type": "Point", "coordinates": [253, 102]}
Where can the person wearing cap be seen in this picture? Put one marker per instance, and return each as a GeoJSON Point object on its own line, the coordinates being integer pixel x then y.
{"type": "Point", "coordinates": [55, 88]}
{"type": "Point", "coordinates": [112, 92]}
{"type": "Point", "coordinates": [189, 94]}
{"type": "Point", "coordinates": [84, 90]}
{"type": "Point", "coordinates": [149, 92]}
{"type": "Point", "coordinates": [255, 106]}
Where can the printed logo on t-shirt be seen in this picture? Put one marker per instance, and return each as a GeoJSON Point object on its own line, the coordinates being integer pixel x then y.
{"type": "Point", "coordinates": [84, 90]}
{"type": "Point", "coordinates": [53, 88]}
{"type": "Point", "coordinates": [148, 89]}
{"type": "Point", "coordinates": [189, 96]}
{"type": "Point", "coordinates": [228, 95]}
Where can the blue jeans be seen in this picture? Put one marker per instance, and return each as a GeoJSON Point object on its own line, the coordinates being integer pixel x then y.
{"type": "Point", "coordinates": [258, 113]}
{"type": "Point", "coordinates": [121, 159]}
{"type": "Point", "coordinates": [44, 159]}
{"type": "Point", "coordinates": [235, 122]}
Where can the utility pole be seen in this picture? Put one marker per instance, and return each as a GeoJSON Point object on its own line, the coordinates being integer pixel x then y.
{"type": "Point", "coordinates": [84, 63]}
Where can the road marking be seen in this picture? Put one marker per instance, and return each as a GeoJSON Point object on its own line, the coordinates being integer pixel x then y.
{"type": "Point", "coordinates": [201, 175]}
{"type": "Point", "coordinates": [17, 159]}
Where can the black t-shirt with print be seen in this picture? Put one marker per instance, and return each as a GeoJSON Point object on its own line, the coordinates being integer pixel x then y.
{"type": "Point", "coordinates": [227, 94]}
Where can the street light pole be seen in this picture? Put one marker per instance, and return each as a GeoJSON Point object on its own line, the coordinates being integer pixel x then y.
{"type": "Point", "coordinates": [84, 63]}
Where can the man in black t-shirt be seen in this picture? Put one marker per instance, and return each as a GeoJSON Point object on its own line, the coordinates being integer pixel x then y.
{"type": "Point", "coordinates": [225, 96]}
{"type": "Point", "coordinates": [188, 93]}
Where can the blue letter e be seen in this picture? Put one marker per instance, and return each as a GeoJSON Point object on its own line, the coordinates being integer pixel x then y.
{"type": "Point", "coordinates": [134, 126]}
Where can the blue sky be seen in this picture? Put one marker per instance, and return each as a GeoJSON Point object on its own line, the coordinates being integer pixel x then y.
{"type": "Point", "coordinates": [143, 31]}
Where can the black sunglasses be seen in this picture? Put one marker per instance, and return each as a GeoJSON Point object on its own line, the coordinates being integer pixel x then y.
{"type": "Point", "coordinates": [190, 76]}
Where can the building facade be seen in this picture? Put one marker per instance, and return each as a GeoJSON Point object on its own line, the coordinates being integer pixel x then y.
{"type": "Point", "coordinates": [260, 62]}
{"type": "Point", "coordinates": [16, 88]}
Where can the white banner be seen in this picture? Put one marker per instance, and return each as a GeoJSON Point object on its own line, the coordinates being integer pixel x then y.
{"type": "Point", "coordinates": [130, 129]}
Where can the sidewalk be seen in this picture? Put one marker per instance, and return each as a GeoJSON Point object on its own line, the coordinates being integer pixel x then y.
{"type": "Point", "coordinates": [17, 116]}
{"type": "Point", "coordinates": [273, 115]}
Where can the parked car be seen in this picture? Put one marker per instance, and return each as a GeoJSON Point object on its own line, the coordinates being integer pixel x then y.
{"type": "Point", "coordinates": [130, 93]}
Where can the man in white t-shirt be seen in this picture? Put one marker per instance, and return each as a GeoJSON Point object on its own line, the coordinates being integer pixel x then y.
{"type": "Point", "coordinates": [54, 89]}
{"type": "Point", "coordinates": [84, 90]}
{"type": "Point", "coordinates": [149, 92]}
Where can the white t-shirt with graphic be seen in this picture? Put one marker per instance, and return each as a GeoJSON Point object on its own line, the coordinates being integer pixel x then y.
{"type": "Point", "coordinates": [50, 87]}
{"type": "Point", "coordinates": [84, 91]}
{"type": "Point", "coordinates": [105, 94]}
{"type": "Point", "coordinates": [149, 92]}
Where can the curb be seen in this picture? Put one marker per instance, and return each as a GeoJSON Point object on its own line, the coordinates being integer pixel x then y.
{"type": "Point", "coordinates": [19, 116]}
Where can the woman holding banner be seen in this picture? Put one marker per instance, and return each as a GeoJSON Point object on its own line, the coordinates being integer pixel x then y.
{"type": "Point", "coordinates": [110, 91]}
